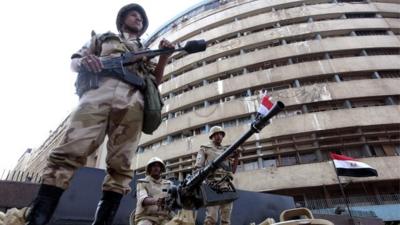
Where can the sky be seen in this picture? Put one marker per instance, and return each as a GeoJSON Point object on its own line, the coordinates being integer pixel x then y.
{"type": "Point", "coordinates": [37, 39]}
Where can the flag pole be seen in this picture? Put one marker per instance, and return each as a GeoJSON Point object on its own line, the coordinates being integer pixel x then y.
{"type": "Point", "coordinates": [346, 200]}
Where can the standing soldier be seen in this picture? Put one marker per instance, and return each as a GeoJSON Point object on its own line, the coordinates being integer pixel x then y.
{"type": "Point", "coordinates": [225, 173]}
{"type": "Point", "coordinates": [150, 206]}
{"type": "Point", "coordinates": [114, 109]}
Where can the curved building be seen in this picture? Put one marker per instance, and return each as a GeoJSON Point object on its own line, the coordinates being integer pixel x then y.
{"type": "Point", "coordinates": [334, 63]}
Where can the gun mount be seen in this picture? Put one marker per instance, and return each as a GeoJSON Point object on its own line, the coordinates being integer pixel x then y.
{"type": "Point", "coordinates": [193, 193]}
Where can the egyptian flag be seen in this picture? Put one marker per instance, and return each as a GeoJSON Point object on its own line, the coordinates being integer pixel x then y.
{"type": "Point", "coordinates": [265, 106]}
{"type": "Point", "coordinates": [349, 167]}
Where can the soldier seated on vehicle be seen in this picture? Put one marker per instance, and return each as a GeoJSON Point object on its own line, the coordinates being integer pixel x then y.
{"type": "Point", "coordinates": [150, 206]}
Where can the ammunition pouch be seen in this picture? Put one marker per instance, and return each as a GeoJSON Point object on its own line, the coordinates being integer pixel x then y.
{"type": "Point", "coordinates": [152, 106]}
{"type": "Point", "coordinates": [85, 82]}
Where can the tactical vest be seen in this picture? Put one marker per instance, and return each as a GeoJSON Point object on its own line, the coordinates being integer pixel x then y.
{"type": "Point", "coordinates": [152, 99]}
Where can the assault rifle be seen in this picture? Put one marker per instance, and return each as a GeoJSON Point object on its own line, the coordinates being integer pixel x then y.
{"type": "Point", "coordinates": [194, 193]}
{"type": "Point", "coordinates": [116, 66]}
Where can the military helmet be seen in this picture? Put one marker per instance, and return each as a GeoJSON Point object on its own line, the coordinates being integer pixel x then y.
{"type": "Point", "coordinates": [214, 130]}
{"type": "Point", "coordinates": [154, 160]}
{"type": "Point", "coordinates": [125, 10]}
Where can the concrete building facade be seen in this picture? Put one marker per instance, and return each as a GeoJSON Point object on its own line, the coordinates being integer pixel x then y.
{"type": "Point", "coordinates": [335, 65]}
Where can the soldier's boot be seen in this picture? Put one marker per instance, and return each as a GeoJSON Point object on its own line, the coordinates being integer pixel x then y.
{"type": "Point", "coordinates": [107, 208]}
{"type": "Point", "coordinates": [43, 206]}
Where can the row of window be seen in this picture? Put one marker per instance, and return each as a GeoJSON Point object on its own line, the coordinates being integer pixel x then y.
{"type": "Point", "coordinates": [357, 142]}
{"type": "Point", "coordinates": [282, 62]}
{"type": "Point", "coordinates": [289, 159]}
{"type": "Point", "coordinates": [272, 88]}
{"type": "Point", "coordinates": [287, 112]}
{"type": "Point", "coordinates": [273, 43]}
{"type": "Point", "coordinates": [297, 38]}
{"type": "Point", "coordinates": [179, 22]}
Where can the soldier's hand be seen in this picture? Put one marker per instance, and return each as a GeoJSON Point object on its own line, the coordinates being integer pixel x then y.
{"type": "Point", "coordinates": [161, 203]}
{"type": "Point", "coordinates": [92, 63]}
{"type": "Point", "coordinates": [165, 44]}
{"type": "Point", "coordinates": [239, 150]}
{"type": "Point", "coordinates": [235, 153]}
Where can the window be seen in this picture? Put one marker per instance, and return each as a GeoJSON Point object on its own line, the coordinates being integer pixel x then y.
{"type": "Point", "coordinates": [360, 15]}
{"type": "Point", "coordinates": [376, 150]}
{"type": "Point", "coordinates": [164, 141]}
{"type": "Point", "coordinates": [380, 51]}
{"type": "Point", "coordinates": [367, 102]}
{"type": "Point", "coordinates": [200, 130]}
{"type": "Point", "coordinates": [397, 149]}
{"type": "Point", "coordinates": [176, 137]}
{"type": "Point", "coordinates": [288, 160]}
{"type": "Point", "coordinates": [349, 1]}
{"type": "Point", "coordinates": [325, 155]}
{"type": "Point", "coordinates": [289, 113]}
{"type": "Point", "coordinates": [230, 123]}
{"type": "Point", "coordinates": [356, 152]}
{"type": "Point", "coordinates": [370, 32]}
{"type": "Point", "coordinates": [269, 162]}
{"type": "Point", "coordinates": [309, 157]}
{"type": "Point", "coordinates": [245, 120]}
{"type": "Point", "coordinates": [356, 76]}
{"type": "Point", "coordinates": [247, 166]}
{"type": "Point", "coordinates": [390, 74]}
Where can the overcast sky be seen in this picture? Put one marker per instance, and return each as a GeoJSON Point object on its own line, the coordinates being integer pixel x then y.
{"type": "Point", "coordinates": [37, 39]}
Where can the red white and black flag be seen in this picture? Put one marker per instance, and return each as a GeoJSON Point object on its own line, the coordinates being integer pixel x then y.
{"type": "Point", "coordinates": [265, 106]}
{"type": "Point", "coordinates": [349, 167]}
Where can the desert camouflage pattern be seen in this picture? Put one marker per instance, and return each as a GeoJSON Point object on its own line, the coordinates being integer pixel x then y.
{"type": "Point", "coordinates": [151, 215]}
{"type": "Point", "coordinates": [114, 109]}
{"type": "Point", "coordinates": [183, 217]}
{"type": "Point", "coordinates": [206, 154]}
{"type": "Point", "coordinates": [14, 216]}
{"type": "Point", "coordinates": [224, 211]}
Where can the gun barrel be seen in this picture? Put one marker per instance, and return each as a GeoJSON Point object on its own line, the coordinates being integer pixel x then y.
{"type": "Point", "coordinates": [190, 47]}
{"type": "Point", "coordinates": [255, 127]}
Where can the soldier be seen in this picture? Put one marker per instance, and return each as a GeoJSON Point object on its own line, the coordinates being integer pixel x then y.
{"type": "Point", "coordinates": [114, 109]}
{"type": "Point", "coordinates": [208, 153]}
{"type": "Point", "coordinates": [150, 206]}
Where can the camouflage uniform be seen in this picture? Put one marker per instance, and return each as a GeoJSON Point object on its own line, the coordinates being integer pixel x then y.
{"type": "Point", "coordinates": [151, 215]}
{"type": "Point", "coordinates": [114, 109]}
{"type": "Point", "coordinates": [207, 154]}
